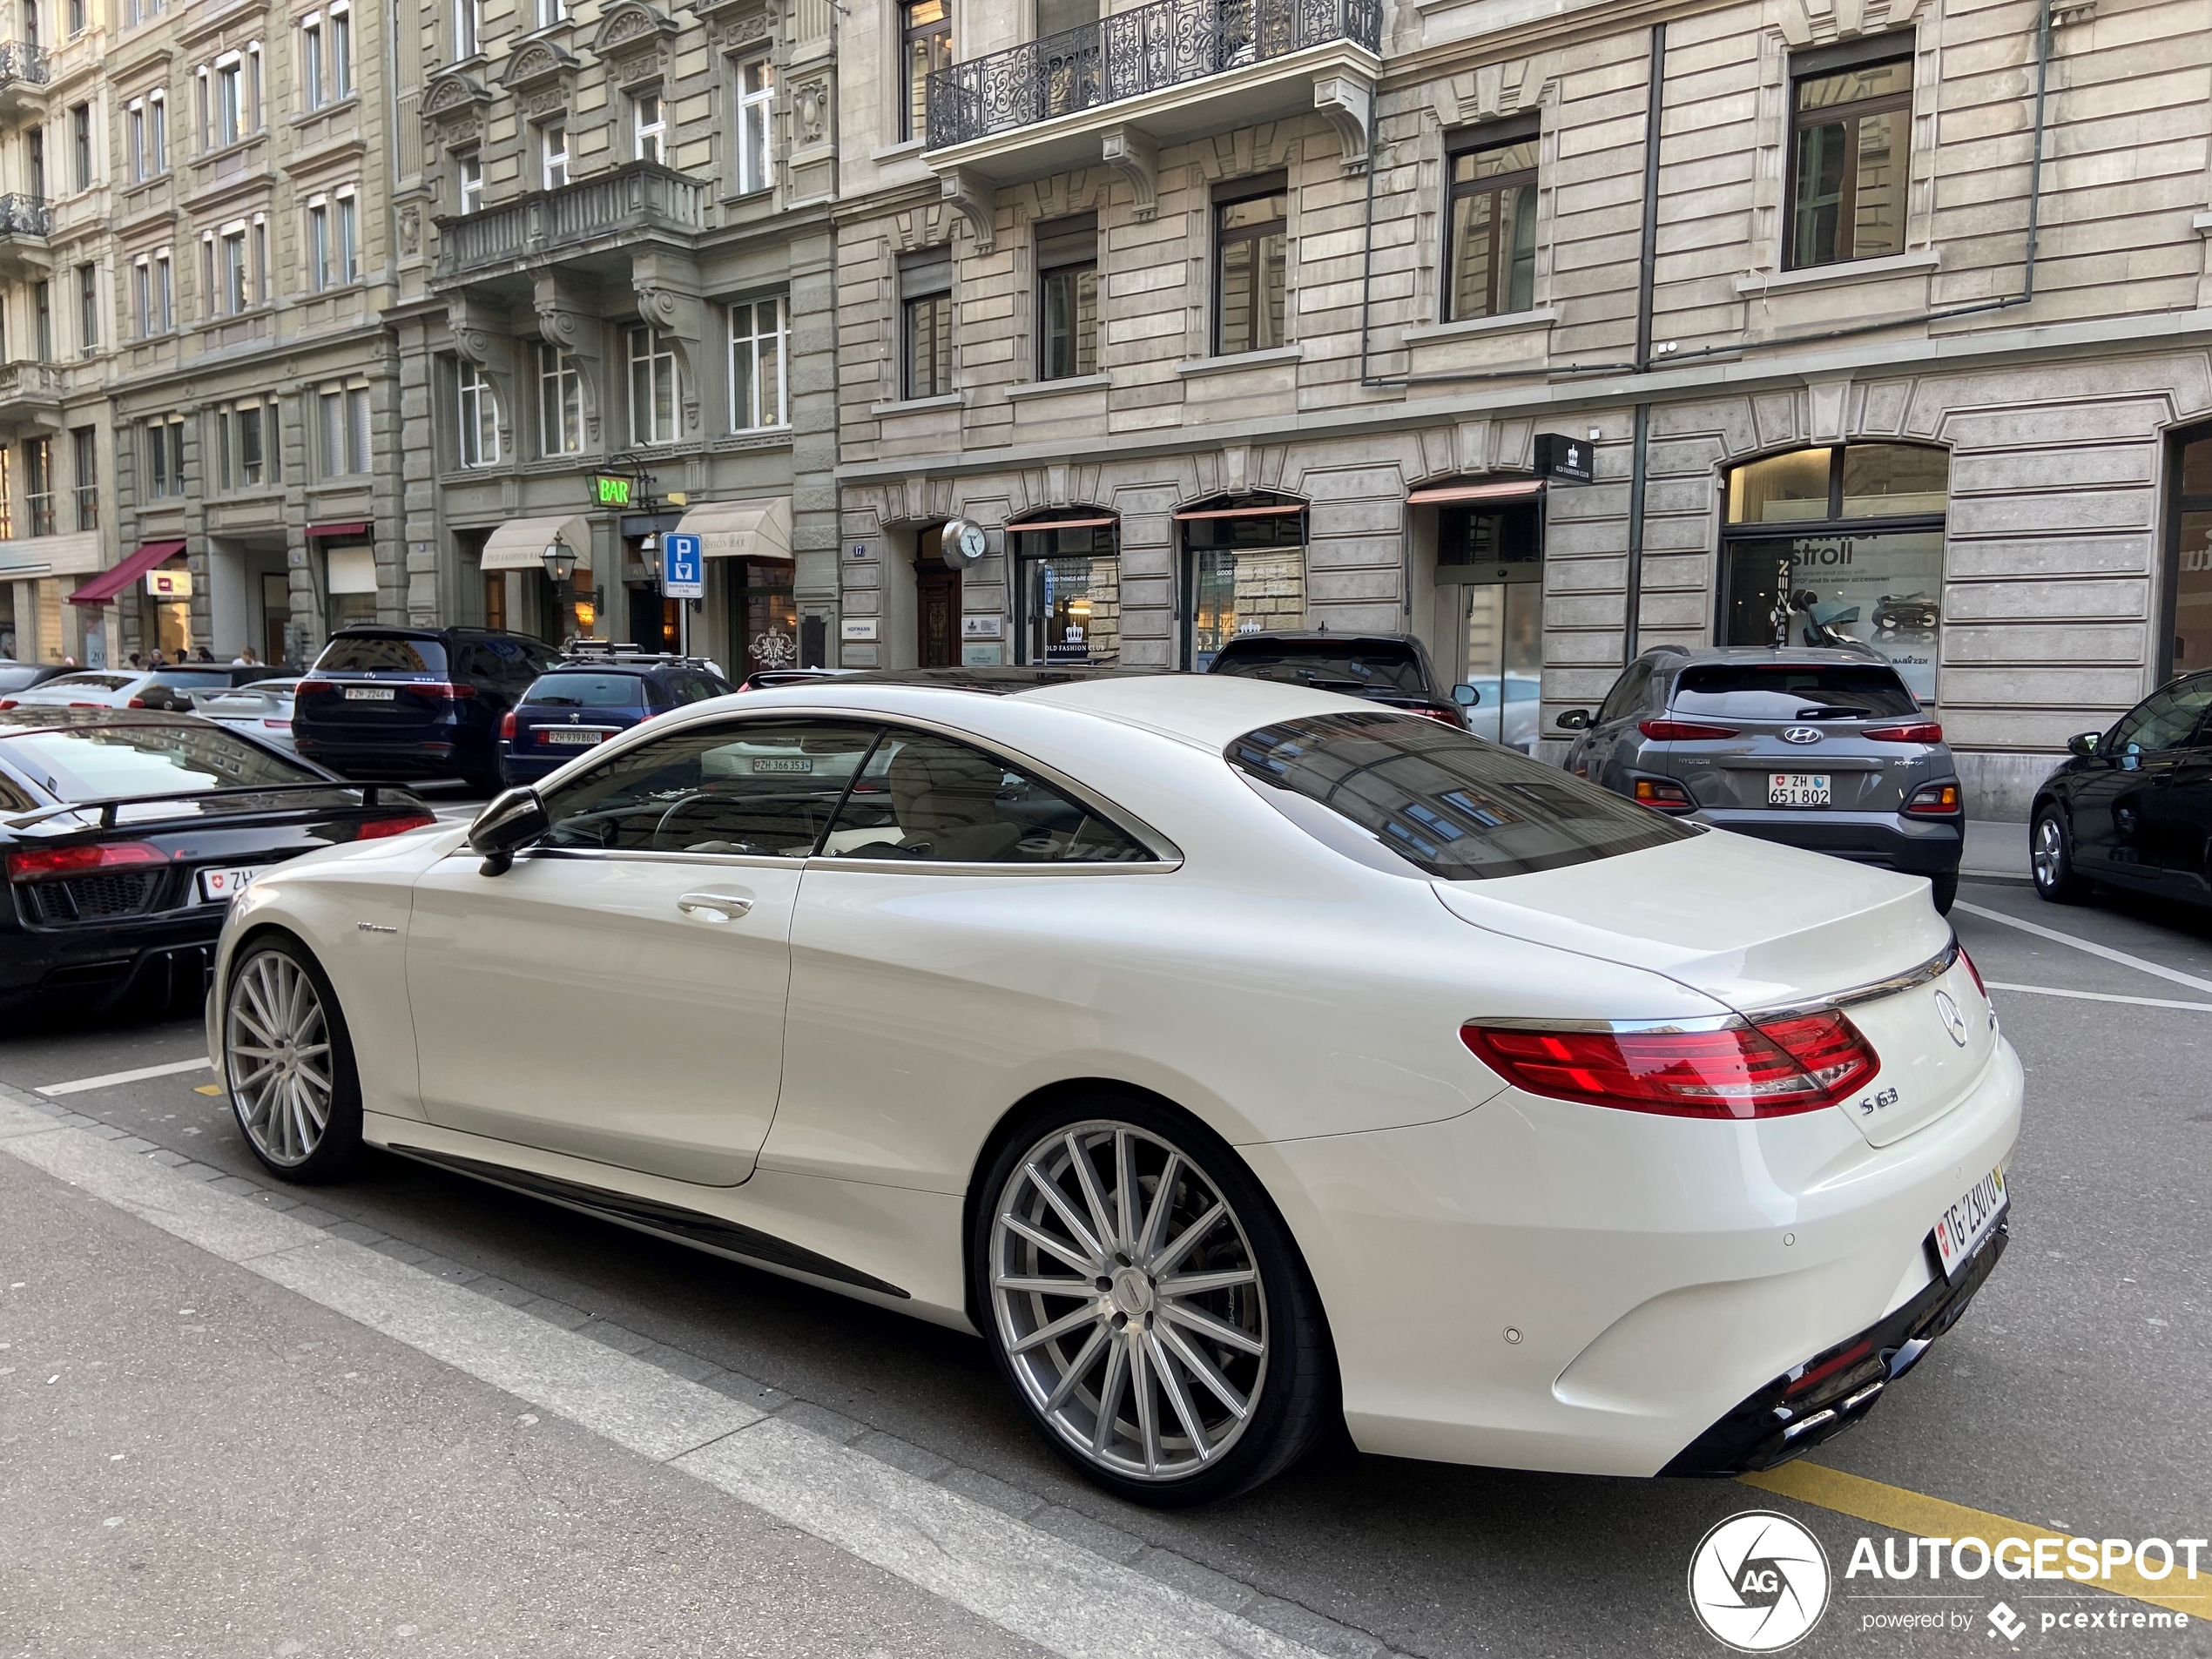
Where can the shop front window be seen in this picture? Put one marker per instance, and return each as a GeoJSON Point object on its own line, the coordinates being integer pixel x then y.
{"type": "Point", "coordinates": [1841, 546]}
{"type": "Point", "coordinates": [1069, 592]}
{"type": "Point", "coordinates": [764, 615]}
{"type": "Point", "coordinates": [1243, 572]}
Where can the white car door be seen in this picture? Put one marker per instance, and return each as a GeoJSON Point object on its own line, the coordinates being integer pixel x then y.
{"type": "Point", "coordinates": [618, 994]}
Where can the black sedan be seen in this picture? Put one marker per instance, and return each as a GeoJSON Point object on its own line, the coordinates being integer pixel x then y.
{"type": "Point", "coordinates": [123, 836]}
{"type": "Point", "coordinates": [2132, 806]}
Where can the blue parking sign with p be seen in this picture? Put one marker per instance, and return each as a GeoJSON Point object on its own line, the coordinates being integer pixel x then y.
{"type": "Point", "coordinates": [681, 575]}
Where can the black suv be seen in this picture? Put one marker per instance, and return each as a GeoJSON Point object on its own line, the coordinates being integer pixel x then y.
{"type": "Point", "coordinates": [395, 703]}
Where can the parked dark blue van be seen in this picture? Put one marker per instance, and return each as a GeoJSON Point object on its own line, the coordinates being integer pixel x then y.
{"type": "Point", "coordinates": [580, 701]}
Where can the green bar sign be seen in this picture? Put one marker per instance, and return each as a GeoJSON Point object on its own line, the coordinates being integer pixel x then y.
{"type": "Point", "coordinates": [613, 492]}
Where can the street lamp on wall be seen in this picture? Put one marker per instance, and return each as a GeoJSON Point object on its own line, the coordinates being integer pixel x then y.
{"type": "Point", "coordinates": [560, 561]}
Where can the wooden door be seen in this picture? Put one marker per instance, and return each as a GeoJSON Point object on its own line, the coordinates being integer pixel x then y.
{"type": "Point", "coordinates": [936, 615]}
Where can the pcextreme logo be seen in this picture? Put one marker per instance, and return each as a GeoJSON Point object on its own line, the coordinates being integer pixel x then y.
{"type": "Point", "coordinates": [1758, 1581]}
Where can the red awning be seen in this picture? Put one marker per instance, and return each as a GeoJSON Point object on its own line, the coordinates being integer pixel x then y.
{"type": "Point", "coordinates": [111, 581]}
{"type": "Point", "coordinates": [1509, 489]}
{"type": "Point", "coordinates": [1062, 525]}
{"type": "Point", "coordinates": [1242, 512]}
{"type": "Point", "coordinates": [329, 532]}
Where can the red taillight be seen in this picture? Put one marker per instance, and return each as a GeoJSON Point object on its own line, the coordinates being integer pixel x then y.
{"type": "Point", "coordinates": [1934, 800]}
{"type": "Point", "coordinates": [507, 725]}
{"type": "Point", "coordinates": [1976, 972]}
{"type": "Point", "coordinates": [1918, 731]}
{"type": "Point", "coordinates": [311, 688]}
{"type": "Point", "coordinates": [1682, 731]}
{"type": "Point", "coordinates": [377, 828]}
{"type": "Point", "coordinates": [135, 703]}
{"type": "Point", "coordinates": [1741, 1070]}
{"type": "Point", "coordinates": [8, 703]}
{"type": "Point", "coordinates": [1664, 794]}
{"type": "Point", "coordinates": [279, 723]}
{"type": "Point", "coordinates": [1450, 717]}
{"type": "Point", "coordinates": [444, 690]}
{"type": "Point", "coordinates": [46, 863]}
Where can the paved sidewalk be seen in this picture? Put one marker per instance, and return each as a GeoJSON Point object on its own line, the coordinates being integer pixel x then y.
{"type": "Point", "coordinates": [1996, 851]}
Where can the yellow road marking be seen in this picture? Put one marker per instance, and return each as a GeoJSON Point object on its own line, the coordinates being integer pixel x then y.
{"type": "Point", "coordinates": [208, 1089]}
{"type": "Point", "coordinates": [1927, 1517]}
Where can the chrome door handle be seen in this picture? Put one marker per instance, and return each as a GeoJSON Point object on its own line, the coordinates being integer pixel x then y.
{"type": "Point", "coordinates": [715, 907]}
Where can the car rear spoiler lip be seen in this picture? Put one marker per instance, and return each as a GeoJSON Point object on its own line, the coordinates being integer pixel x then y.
{"type": "Point", "coordinates": [373, 796]}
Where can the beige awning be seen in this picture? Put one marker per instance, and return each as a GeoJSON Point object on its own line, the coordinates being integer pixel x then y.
{"type": "Point", "coordinates": [741, 530]}
{"type": "Point", "coordinates": [520, 543]}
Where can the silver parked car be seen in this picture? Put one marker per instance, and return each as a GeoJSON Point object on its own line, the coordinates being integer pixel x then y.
{"type": "Point", "coordinates": [1826, 750]}
{"type": "Point", "coordinates": [263, 708]}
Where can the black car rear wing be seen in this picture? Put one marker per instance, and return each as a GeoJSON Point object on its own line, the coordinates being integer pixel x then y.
{"type": "Point", "coordinates": [373, 796]}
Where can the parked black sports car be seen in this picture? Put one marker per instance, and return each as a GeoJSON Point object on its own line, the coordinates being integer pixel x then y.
{"type": "Point", "coordinates": [123, 835]}
{"type": "Point", "coordinates": [2132, 806]}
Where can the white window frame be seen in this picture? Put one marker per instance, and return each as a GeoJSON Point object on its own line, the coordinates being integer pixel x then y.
{"type": "Point", "coordinates": [165, 290]}
{"type": "Point", "coordinates": [142, 294]}
{"type": "Point", "coordinates": [476, 412]}
{"type": "Point", "coordinates": [560, 402]}
{"type": "Point", "coordinates": [318, 243]}
{"type": "Point", "coordinates": [657, 357]}
{"type": "Point", "coordinates": [157, 132]}
{"type": "Point", "coordinates": [264, 277]}
{"type": "Point", "coordinates": [348, 211]}
{"type": "Point", "coordinates": [467, 29]}
{"type": "Point", "coordinates": [649, 125]}
{"type": "Point", "coordinates": [745, 349]}
{"type": "Point", "coordinates": [228, 109]}
{"type": "Point", "coordinates": [469, 173]}
{"type": "Point", "coordinates": [310, 60]}
{"type": "Point", "coordinates": [134, 137]}
{"type": "Point", "coordinates": [204, 108]}
{"type": "Point", "coordinates": [236, 278]}
{"type": "Point", "coordinates": [756, 126]}
{"type": "Point", "coordinates": [552, 12]}
{"type": "Point", "coordinates": [341, 51]}
{"type": "Point", "coordinates": [207, 285]}
{"type": "Point", "coordinates": [553, 163]}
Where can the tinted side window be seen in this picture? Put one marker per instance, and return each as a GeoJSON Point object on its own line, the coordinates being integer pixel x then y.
{"type": "Point", "coordinates": [2165, 720]}
{"type": "Point", "coordinates": [765, 788]}
{"type": "Point", "coordinates": [928, 798]}
{"type": "Point", "coordinates": [1620, 701]}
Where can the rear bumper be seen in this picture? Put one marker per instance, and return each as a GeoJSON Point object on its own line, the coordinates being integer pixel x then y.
{"type": "Point", "coordinates": [92, 969]}
{"type": "Point", "coordinates": [1915, 847]}
{"type": "Point", "coordinates": [528, 769]}
{"type": "Point", "coordinates": [395, 761]}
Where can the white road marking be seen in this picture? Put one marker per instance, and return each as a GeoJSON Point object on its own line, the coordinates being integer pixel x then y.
{"type": "Point", "coordinates": [1066, 1599]}
{"type": "Point", "coordinates": [2090, 946]}
{"type": "Point", "coordinates": [2101, 996]}
{"type": "Point", "coordinates": [81, 1084]}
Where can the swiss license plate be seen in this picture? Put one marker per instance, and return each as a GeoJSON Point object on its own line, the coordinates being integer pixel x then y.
{"type": "Point", "coordinates": [1796, 789]}
{"type": "Point", "coordinates": [782, 763]}
{"type": "Point", "coordinates": [368, 694]}
{"type": "Point", "coordinates": [217, 885]}
{"type": "Point", "coordinates": [1964, 1223]}
{"type": "Point", "coordinates": [572, 735]}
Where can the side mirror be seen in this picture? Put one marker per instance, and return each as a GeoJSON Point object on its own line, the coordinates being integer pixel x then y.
{"type": "Point", "coordinates": [513, 821]}
{"type": "Point", "coordinates": [1465, 696]}
{"type": "Point", "coordinates": [1573, 720]}
{"type": "Point", "coordinates": [2084, 743]}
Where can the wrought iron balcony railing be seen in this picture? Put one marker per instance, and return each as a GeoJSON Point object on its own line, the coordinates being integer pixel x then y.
{"type": "Point", "coordinates": [643, 196]}
{"type": "Point", "coordinates": [1168, 43]}
{"type": "Point", "coordinates": [21, 61]}
{"type": "Point", "coordinates": [24, 216]}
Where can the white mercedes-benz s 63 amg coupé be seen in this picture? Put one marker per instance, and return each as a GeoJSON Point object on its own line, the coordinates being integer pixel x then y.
{"type": "Point", "coordinates": [1237, 1059]}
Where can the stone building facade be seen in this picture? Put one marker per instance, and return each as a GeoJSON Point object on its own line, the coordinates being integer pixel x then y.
{"type": "Point", "coordinates": [616, 266]}
{"type": "Point", "coordinates": [1215, 314]}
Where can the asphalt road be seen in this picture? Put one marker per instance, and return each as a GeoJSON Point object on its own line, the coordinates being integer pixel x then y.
{"type": "Point", "coordinates": [2070, 1399]}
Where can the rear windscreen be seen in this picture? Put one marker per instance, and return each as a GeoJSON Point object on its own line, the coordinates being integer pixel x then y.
{"type": "Point", "coordinates": [1792, 691]}
{"type": "Point", "coordinates": [587, 691]}
{"type": "Point", "coordinates": [372, 654]}
{"type": "Point", "coordinates": [1326, 666]}
{"type": "Point", "coordinates": [107, 763]}
{"type": "Point", "coordinates": [1445, 802]}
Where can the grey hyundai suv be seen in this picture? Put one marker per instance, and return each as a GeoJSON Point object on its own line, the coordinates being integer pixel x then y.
{"type": "Point", "coordinates": [1825, 750]}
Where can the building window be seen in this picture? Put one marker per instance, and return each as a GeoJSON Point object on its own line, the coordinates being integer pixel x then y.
{"type": "Point", "coordinates": [38, 484]}
{"type": "Point", "coordinates": [157, 135]}
{"type": "Point", "coordinates": [1244, 570]}
{"type": "Point", "coordinates": [1067, 300]}
{"type": "Point", "coordinates": [347, 252]}
{"type": "Point", "coordinates": [468, 28]}
{"type": "Point", "coordinates": [41, 316]}
{"type": "Point", "coordinates": [553, 155]}
{"type": "Point", "coordinates": [2188, 644]}
{"type": "Point", "coordinates": [560, 402]}
{"type": "Point", "coordinates": [551, 11]}
{"type": "Point", "coordinates": [1250, 256]}
{"type": "Point", "coordinates": [164, 294]}
{"type": "Point", "coordinates": [478, 417]}
{"type": "Point", "coordinates": [142, 297]}
{"type": "Point", "coordinates": [230, 102]}
{"type": "Point", "coordinates": [76, 19]}
{"type": "Point", "coordinates": [134, 138]}
{"type": "Point", "coordinates": [648, 126]}
{"type": "Point", "coordinates": [1852, 534]}
{"type": "Point", "coordinates": [84, 473]}
{"type": "Point", "coordinates": [246, 445]}
{"type": "Point", "coordinates": [1490, 227]}
{"type": "Point", "coordinates": [88, 309]}
{"type": "Point", "coordinates": [237, 289]}
{"type": "Point", "coordinates": [341, 51]}
{"type": "Point", "coordinates": [757, 340]}
{"type": "Point", "coordinates": [1850, 126]}
{"type": "Point", "coordinates": [927, 36]}
{"type": "Point", "coordinates": [311, 68]}
{"type": "Point", "coordinates": [468, 168]}
{"type": "Point", "coordinates": [80, 145]}
{"type": "Point", "coordinates": [1067, 589]}
{"type": "Point", "coordinates": [652, 387]}
{"type": "Point", "coordinates": [163, 445]}
{"type": "Point", "coordinates": [756, 118]}
{"type": "Point", "coordinates": [926, 322]}
{"type": "Point", "coordinates": [342, 419]}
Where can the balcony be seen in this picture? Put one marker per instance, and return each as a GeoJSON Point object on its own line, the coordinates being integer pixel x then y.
{"type": "Point", "coordinates": [31, 394]}
{"type": "Point", "coordinates": [23, 73]}
{"type": "Point", "coordinates": [593, 222]}
{"type": "Point", "coordinates": [25, 221]}
{"type": "Point", "coordinates": [1164, 72]}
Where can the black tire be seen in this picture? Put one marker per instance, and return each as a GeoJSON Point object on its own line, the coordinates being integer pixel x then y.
{"type": "Point", "coordinates": [1289, 1390]}
{"type": "Point", "coordinates": [275, 1115]}
{"type": "Point", "coordinates": [1943, 890]}
{"type": "Point", "coordinates": [2050, 844]}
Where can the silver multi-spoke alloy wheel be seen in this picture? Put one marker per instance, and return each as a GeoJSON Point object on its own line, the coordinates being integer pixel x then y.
{"type": "Point", "coordinates": [2048, 854]}
{"type": "Point", "coordinates": [277, 1056]}
{"type": "Point", "coordinates": [1128, 1300]}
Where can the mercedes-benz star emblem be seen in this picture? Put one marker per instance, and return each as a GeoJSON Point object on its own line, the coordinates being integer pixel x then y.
{"type": "Point", "coordinates": [1953, 1021]}
{"type": "Point", "coordinates": [1802, 734]}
